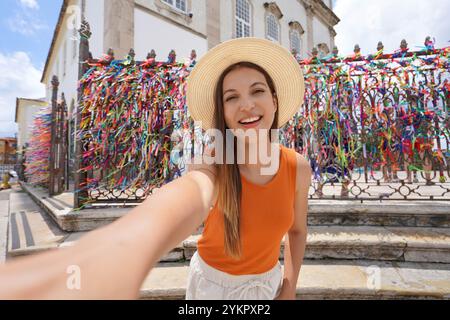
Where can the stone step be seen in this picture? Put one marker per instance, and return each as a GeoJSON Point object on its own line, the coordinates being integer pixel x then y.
{"type": "Point", "coordinates": [330, 279]}
{"type": "Point", "coordinates": [375, 213]}
{"type": "Point", "coordinates": [325, 242]}
{"type": "Point", "coordinates": [390, 213]}
{"type": "Point", "coordinates": [370, 243]}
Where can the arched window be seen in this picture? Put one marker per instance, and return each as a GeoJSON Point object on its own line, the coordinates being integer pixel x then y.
{"type": "Point", "coordinates": [272, 28]}
{"type": "Point", "coordinates": [243, 16]}
{"type": "Point", "coordinates": [295, 37]}
{"type": "Point", "coordinates": [295, 41]}
{"type": "Point", "coordinates": [273, 17]}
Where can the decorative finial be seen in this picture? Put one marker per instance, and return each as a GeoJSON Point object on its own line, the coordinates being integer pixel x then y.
{"type": "Point", "coordinates": [296, 54]}
{"type": "Point", "coordinates": [85, 30]}
{"type": "Point", "coordinates": [429, 44]}
{"type": "Point", "coordinates": [151, 54]}
{"type": "Point", "coordinates": [110, 53]}
{"type": "Point", "coordinates": [193, 55]}
{"type": "Point", "coordinates": [404, 45]}
{"type": "Point", "coordinates": [172, 57]}
{"type": "Point", "coordinates": [335, 51]}
{"type": "Point", "coordinates": [380, 46]}
{"type": "Point", "coordinates": [357, 49]}
{"type": "Point", "coordinates": [132, 54]}
{"type": "Point", "coordinates": [55, 81]}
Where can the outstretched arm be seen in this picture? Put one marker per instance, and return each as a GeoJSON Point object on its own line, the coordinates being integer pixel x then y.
{"type": "Point", "coordinates": [113, 261]}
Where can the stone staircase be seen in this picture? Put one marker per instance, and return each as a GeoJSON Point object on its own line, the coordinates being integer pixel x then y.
{"type": "Point", "coordinates": [375, 250]}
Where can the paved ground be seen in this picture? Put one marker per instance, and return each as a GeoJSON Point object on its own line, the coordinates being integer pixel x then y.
{"type": "Point", "coordinates": [4, 211]}
{"type": "Point", "coordinates": [30, 228]}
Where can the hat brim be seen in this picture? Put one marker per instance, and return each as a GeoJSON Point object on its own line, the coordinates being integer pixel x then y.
{"type": "Point", "coordinates": [279, 63]}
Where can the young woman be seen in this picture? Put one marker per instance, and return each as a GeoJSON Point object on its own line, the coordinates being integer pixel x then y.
{"type": "Point", "coordinates": [257, 86]}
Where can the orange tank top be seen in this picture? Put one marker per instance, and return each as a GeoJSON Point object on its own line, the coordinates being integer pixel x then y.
{"type": "Point", "coordinates": [267, 213]}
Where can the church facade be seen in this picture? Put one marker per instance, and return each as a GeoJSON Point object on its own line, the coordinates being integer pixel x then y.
{"type": "Point", "coordinates": [182, 25]}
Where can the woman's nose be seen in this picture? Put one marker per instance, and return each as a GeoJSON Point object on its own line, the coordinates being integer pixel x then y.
{"type": "Point", "coordinates": [246, 104]}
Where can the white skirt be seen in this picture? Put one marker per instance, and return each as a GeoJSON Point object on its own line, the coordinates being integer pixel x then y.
{"type": "Point", "coordinates": [208, 283]}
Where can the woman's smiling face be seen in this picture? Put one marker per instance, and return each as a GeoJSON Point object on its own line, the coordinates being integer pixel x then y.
{"type": "Point", "coordinates": [247, 98]}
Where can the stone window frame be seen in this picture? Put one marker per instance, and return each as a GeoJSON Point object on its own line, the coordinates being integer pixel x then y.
{"type": "Point", "coordinates": [173, 5]}
{"type": "Point", "coordinates": [239, 20]}
{"type": "Point", "coordinates": [186, 15]}
{"type": "Point", "coordinates": [272, 10]}
{"type": "Point", "coordinates": [296, 27]}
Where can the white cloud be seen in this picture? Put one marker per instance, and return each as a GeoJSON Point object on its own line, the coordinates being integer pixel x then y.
{"type": "Point", "coordinates": [367, 22]}
{"type": "Point", "coordinates": [25, 23]}
{"type": "Point", "coordinates": [32, 4]}
{"type": "Point", "coordinates": [18, 78]}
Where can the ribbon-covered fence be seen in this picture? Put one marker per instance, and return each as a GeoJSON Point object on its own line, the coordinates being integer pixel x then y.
{"type": "Point", "coordinates": [368, 122]}
{"type": "Point", "coordinates": [378, 118]}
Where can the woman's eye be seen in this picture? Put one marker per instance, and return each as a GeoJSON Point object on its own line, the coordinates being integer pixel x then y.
{"type": "Point", "coordinates": [231, 98]}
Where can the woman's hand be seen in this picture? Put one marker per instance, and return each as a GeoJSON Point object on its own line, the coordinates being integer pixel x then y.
{"type": "Point", "coordinates": [286, 293]}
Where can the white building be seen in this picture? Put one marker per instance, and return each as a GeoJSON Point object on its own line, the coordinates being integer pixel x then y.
{"type": "Point", "coordinates": [26, 109]}
{"type": "Point", "coordinates": [181, 25]}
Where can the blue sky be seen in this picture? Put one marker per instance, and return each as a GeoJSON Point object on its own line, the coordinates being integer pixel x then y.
{"type": "Point", "coordinates": [28, 26]}
{"type": "Point", "coordinates": [26, 30]}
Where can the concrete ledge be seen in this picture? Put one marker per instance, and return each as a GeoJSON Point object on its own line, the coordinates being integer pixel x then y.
{"type": "Point", "coordinates": [29, 251]}
{"type": "Point", "coordinates": [70, 220]}
{"type": "Point", "coordinates": [320, 212]}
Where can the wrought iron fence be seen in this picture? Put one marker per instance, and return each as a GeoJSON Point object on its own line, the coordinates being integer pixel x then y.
{"type": "Point", "coordinates": [374, 127]}
{"type": "Point", "coordinates": [378, 127]}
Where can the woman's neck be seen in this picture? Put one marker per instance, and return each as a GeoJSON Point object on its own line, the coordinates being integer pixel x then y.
{"type": "Point", "coordinates": [260, 158]}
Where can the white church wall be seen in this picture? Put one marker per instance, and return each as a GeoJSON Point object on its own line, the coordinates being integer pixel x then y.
{"type": "Point", "coordinates": [153, 32]}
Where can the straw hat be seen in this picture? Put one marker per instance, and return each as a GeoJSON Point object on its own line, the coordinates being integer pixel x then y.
{"type": "Point", "coordinates": [279, 63]}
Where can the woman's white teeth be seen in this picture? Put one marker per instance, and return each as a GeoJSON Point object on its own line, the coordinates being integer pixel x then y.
{"type": "Point", "coordinates": [249, 120]}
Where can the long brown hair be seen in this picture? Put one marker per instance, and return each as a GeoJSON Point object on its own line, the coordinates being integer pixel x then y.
{"type": "Point", "coordinates": [228, 175]}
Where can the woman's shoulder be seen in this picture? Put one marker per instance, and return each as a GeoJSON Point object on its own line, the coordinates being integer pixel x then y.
{"type": "Point", "coordinates": [302, 166]}
{"type": "Point", "coordinates": [295, 158]}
